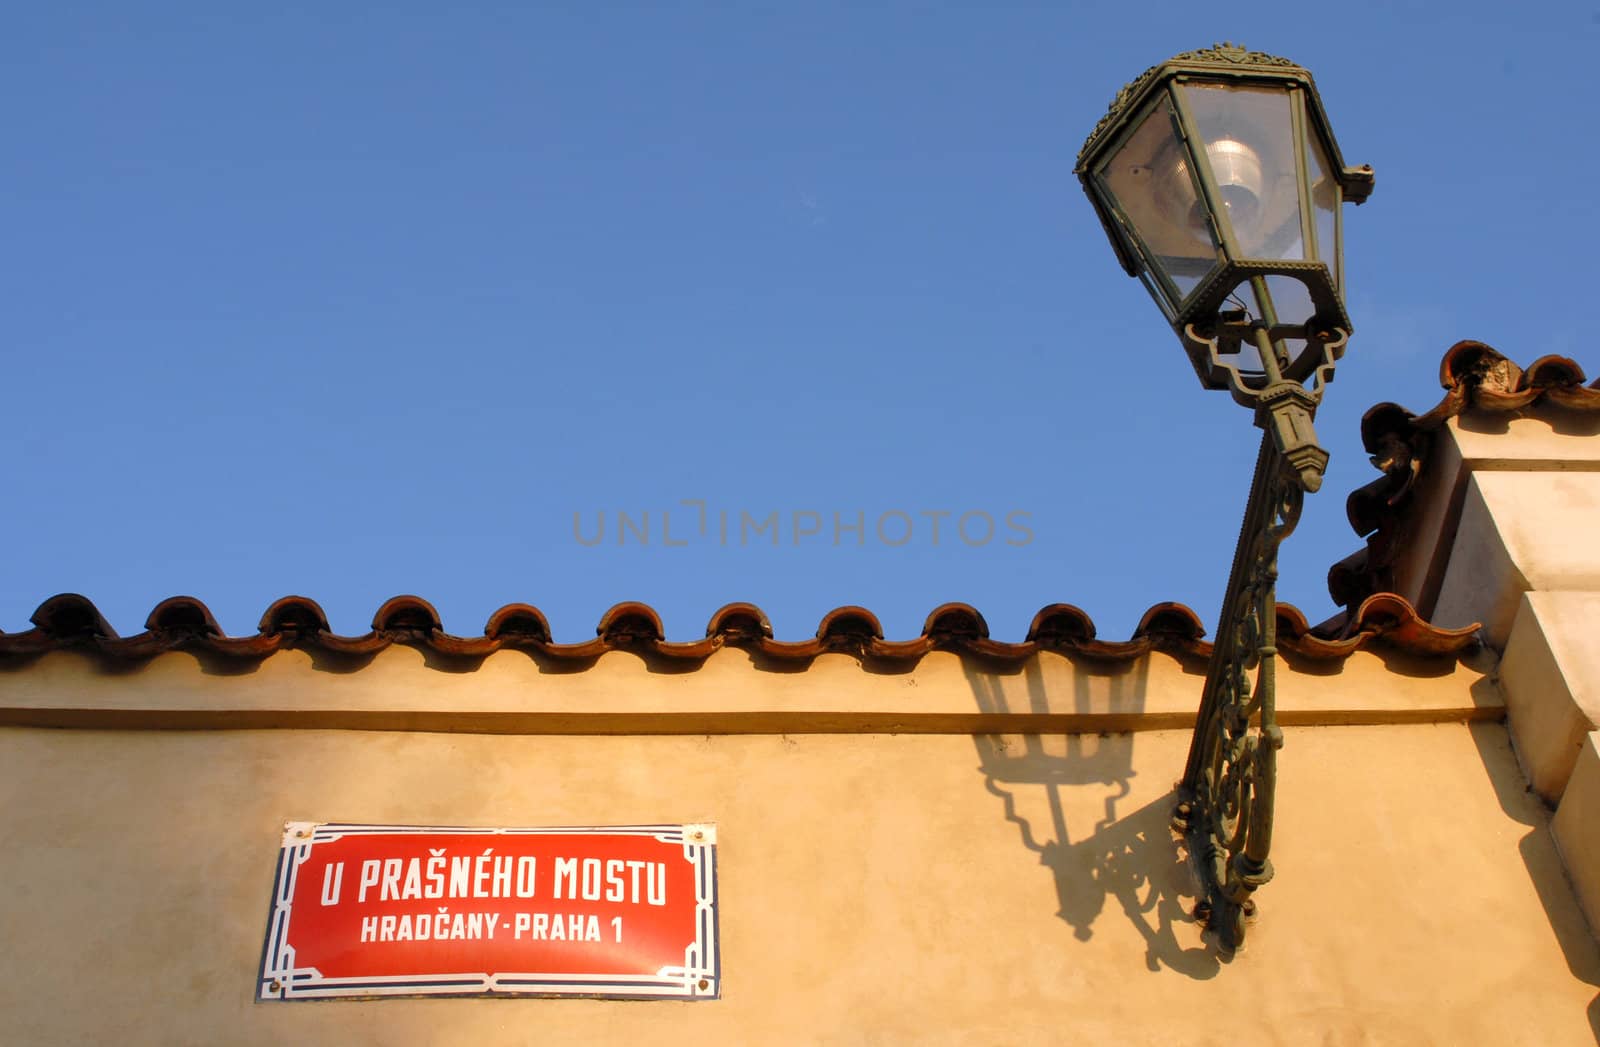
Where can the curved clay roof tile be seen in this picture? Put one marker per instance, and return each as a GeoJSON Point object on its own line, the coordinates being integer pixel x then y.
{"type": "Point", "coordinates": [1060, 624]}
{"type": "Point", "coordinates": [68, 616]}
{"type": "Point", "coordinates": [849, 625]}
{"type": "Point", "coordinates": [294, 614]}
{"type": "Point", "coordinates": [1174, 621]}
{"type": "Point", "coordinates": [1553, 371]}
{"type": "Point", "coordinates": [184, 613]}
{"type": "Point", "coordinates": [407, 615]}
{"type": "Point", "coordinates": [518, 622]}
{"type": "Point", "coordinates": [630, 623]}
{"type": "Point", "coordinates": [739, 623]}
{"type": "Point", "coordinates": [955, 622]}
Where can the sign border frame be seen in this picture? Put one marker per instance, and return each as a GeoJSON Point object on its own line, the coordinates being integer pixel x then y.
{"type": "Point", "coordinates": [280, 980]}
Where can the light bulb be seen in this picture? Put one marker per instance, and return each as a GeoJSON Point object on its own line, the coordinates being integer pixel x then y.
{"type": "Point", "coordinates": [1238, 172]}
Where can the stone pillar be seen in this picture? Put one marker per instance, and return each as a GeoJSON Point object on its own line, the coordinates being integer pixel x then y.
{"type": "Point", "coordinates": [1523, 558]}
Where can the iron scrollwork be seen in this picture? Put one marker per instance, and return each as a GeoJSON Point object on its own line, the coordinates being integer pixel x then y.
{"type": "Point", "coordinates": [1228, 789]}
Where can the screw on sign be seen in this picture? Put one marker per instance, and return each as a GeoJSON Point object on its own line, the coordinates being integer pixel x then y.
{"type": "Point", "coordinates": [371, 910]}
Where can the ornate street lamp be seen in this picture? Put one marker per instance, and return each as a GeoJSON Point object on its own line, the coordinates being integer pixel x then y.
{"type": "Point", "coordinates": [1219, 182]}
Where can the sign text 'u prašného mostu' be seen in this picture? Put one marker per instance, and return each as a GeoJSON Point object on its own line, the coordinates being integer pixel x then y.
{"type": "Point", "coordinates": [394, 910]}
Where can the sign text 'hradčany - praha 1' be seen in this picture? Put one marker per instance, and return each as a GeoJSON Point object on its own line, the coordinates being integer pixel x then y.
{"type": "Point", "coordinates": [487, 875]}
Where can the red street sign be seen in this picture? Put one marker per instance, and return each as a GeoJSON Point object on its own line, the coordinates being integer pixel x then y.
{"type": "Point", "coordinates": [395, 910]}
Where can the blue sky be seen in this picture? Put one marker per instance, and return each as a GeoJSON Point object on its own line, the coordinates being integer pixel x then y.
{"type": "Point", "coordinates": [354, 300]}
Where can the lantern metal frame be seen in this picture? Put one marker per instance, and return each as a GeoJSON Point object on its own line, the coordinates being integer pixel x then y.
{"type": "Point", "coordinates": [1226, 799]}
{"type": "Point", "coordinates": [1229, 65]}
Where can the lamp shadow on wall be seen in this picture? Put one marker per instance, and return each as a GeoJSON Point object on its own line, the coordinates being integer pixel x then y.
{"type": "Point", "coordinates": [1131, 859]}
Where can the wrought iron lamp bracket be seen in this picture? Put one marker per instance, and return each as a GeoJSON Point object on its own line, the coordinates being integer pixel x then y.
{"type": "Point", "coordinates": [1229, 784]}
{"type": "Point", "coordinates": [1226, 804]}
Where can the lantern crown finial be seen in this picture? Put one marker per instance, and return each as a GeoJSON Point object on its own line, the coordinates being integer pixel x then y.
{"type": "Point", "coordinates": [1226, 57]}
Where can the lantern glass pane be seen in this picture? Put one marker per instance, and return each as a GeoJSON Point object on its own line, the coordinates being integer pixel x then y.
{"type": "Point", "coordinates": [1291, 302]}
{"type": "Point", "coordinates": [1150, 180]}
{"type": "Point", "coordinates": [1324, 204]}
{"type": "Point", "coordinates": [1248, 135]}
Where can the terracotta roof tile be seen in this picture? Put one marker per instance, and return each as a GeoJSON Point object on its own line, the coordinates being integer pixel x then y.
{"type": "Point", "coordinates": [1060, 624]}
{"type": "Point", "coordinates": [70, 617]}
{"type": "Point", "coordinates": [737, 624]}
{"type": "Point", "coordinates": [952, 624]}
{"type": "Point", "coordinates": [404, 617]}
{"type": "Point", "coordinates": [182, 614]}
{"type": "Point", "coordinates": [298, 615]}
{"type": "Point", "coordinates": [516, 624]}
{"type": "Point", "coordinates": [629, 624]}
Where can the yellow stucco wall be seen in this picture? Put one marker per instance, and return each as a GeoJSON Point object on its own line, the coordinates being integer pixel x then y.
{"type": "Point", "coordinates": [404, 688]}
{"type": "Point", "coordinates": [931, 886]}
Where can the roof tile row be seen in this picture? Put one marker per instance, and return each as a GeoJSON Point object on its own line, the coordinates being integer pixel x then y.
{"type": "Point", "coordinates": [70, 621]}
